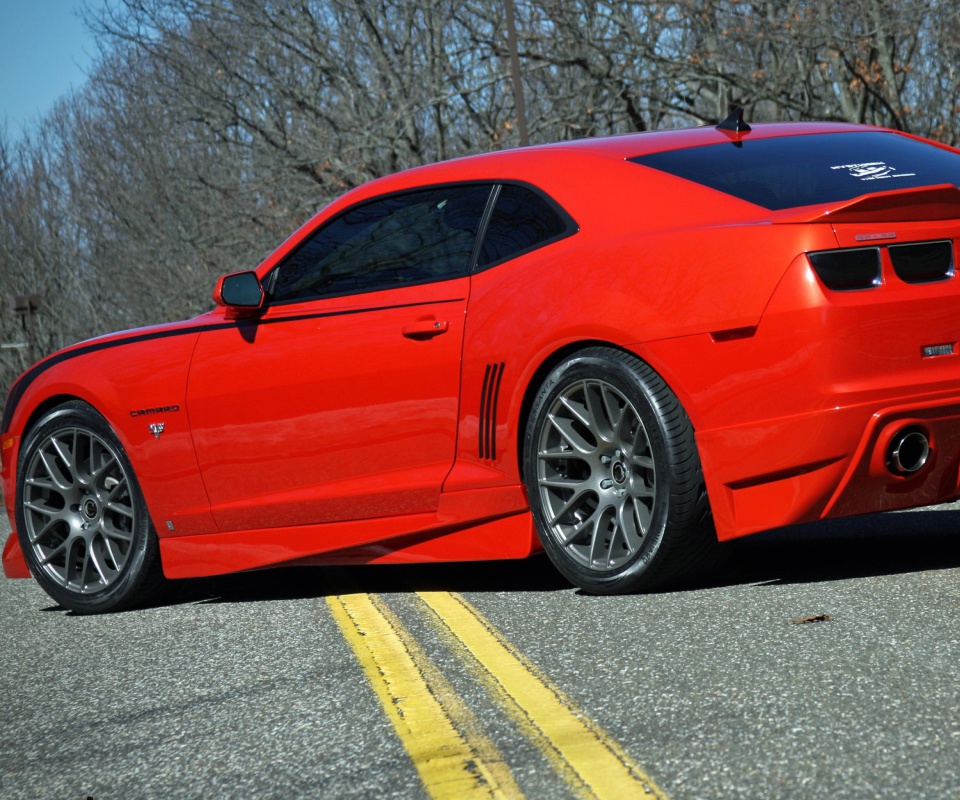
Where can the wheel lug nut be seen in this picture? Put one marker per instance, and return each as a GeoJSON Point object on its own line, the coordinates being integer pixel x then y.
{"type": "Point", "coordinates": [605, 459]}
{"type": "Point", "coordinates": [606, 483]}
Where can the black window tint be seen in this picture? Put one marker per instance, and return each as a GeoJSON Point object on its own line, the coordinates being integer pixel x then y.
{"type": "Point", "coordinates": [400, 240]}
{"type": "Point", "coordinates": [803, 170]}
{"type": "Point", "coordinates": [521, 220]}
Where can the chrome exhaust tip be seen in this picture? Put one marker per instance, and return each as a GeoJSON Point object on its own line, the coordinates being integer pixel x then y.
{"type": "Point", "coordinates": [908, 451]}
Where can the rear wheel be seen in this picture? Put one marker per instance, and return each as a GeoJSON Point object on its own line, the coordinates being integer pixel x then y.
{"type": "Point", "coordinates": [613, 476]}
{"type": "Point", "coordinates": [82, 522]}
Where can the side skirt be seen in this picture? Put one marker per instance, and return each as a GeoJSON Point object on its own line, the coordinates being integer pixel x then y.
{"type": "Point", "coordinates": [477, 525]}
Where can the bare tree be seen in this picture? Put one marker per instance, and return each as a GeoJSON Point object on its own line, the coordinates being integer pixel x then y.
{"type": "Point", "coordinates": [211, 128]}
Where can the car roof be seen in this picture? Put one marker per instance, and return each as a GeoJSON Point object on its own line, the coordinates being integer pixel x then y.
{"type": "Point", "coordinates": [619, 147]}
{"type": "Point", "coordinates": [629, 145]}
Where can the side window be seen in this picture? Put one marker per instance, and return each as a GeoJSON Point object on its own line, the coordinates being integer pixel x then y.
{"type": "Point", "coordinates": [400, 240]}
{"type": "Point", "coordinates": [522, 220]}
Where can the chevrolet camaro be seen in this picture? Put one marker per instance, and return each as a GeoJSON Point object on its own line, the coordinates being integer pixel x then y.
{"type": "Point", "coordinates": [619, 350]}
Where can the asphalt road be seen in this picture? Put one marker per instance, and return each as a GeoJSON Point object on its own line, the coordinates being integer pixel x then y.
{"type": "Point", "coordinates": [246, 687]}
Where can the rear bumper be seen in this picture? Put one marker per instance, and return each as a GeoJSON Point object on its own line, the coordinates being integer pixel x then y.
{"type": "Point", "coordinates": [828, 464]}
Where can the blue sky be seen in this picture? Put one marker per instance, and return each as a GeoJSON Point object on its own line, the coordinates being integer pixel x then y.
{"type": "Point", "coordinates": [44, 50]}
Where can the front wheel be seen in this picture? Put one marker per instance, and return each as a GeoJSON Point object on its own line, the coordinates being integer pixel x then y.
{"type": "Point", "coordinates": [613, 476]}
{"type": "Point", "coordinates": [81, 518]}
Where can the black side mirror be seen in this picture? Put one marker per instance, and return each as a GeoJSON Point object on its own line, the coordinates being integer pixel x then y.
{"type": "Point", "coordinates": [240, 292]}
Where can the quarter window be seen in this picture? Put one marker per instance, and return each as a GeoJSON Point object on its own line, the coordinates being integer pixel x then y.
{"type": "Point", "coordinates": [522, 219]}
{"type": "Point", "coordinates": [400, 240]}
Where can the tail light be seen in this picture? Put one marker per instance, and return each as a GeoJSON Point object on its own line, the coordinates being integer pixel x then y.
{"type": "Point", "coordinates": [848, 270]}
{"type": "Point", "coordinates": [922, 263]}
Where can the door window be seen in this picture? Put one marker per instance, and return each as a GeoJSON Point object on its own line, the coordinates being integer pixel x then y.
{"type": "Point", "coordinates": [394, 241]}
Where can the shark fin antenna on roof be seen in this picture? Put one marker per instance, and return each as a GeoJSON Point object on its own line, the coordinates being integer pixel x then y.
{"type": "Point", "coordinates": [735, 122]}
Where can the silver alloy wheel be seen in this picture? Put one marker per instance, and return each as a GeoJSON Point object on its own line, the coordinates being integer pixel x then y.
{"type": "Point", "coordinates": [596, 475]}
{"type": "Point", "coordinates": [79, 510]}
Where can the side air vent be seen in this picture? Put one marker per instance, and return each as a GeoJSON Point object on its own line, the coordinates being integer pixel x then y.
{"type": "Point", "coordinates": [848, 270]}
{"type": "Point", "coordinates": [489, 395]}
{"type": "Point", "coordinates": [922, 263]}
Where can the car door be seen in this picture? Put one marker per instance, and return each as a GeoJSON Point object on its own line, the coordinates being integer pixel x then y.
{"type": "Point", "coordinates": [340, 401]}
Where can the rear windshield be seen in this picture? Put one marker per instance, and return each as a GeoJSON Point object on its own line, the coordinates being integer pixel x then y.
{"type": "Point", "coordinates": [802, 170]}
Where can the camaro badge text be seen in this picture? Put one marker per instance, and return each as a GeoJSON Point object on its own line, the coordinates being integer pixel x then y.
{"type": "Point", "coordinates": [156, 428]}
{"type": "Point", "coordinates": [142, 412]}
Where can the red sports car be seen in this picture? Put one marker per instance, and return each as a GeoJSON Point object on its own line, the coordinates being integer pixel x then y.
{"type": "Point", "coordinates": [622, 350]}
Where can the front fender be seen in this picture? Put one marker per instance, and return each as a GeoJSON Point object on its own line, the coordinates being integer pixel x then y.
{"type": "Point", "coordinates": [14, 564]}
{"type": "Point", "coordinates": [138, 384]}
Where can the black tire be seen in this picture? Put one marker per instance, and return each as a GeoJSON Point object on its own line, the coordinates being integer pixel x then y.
{"type": "Point", "coordinates": [614, 478]}
{"type": "Point", "coordinates": [81, 518]}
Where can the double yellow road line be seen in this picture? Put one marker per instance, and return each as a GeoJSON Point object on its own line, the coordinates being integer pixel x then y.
{"type": "Point", "coordinates": [448, 746]}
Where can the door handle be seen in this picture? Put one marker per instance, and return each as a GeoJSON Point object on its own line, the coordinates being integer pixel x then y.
{"type": "Point", "coordinates": [425, 329]}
